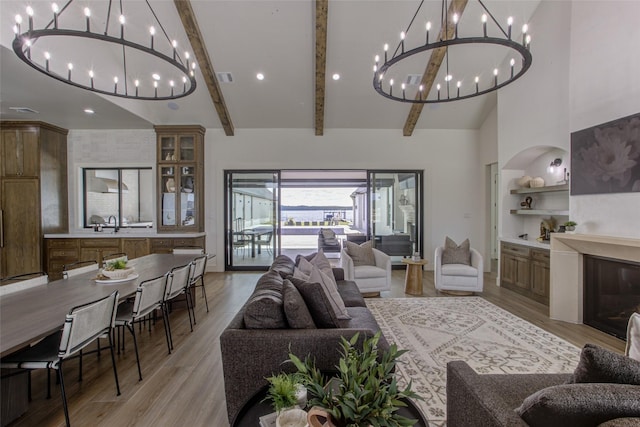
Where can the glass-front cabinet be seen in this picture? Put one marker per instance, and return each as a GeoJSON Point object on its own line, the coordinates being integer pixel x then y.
{"type": "Point", "coordinates": [180, 178]}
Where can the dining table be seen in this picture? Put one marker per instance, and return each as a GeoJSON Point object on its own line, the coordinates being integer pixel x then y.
{"type": "Point", "coordinates": [31, 314]}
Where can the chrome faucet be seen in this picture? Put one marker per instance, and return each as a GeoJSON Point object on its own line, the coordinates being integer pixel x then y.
{"type": "Point", "coordinates": [115, 223]}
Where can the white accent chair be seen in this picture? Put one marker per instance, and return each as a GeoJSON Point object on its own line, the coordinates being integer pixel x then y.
{"type": "Point", "coordinates": [459, 278]}
{"type": "Point", "coordinates": [370, 279]}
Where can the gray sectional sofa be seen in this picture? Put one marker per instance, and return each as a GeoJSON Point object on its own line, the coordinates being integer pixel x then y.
{"type": "Point", "coordinates": [257, 342]}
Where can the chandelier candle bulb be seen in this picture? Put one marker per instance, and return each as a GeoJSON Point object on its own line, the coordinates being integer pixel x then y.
{"type": "Point", "coordinates": [386, 48]}
{"type": "Point", "coordinates": [55, 9]}
{"type": "Point", "coordinates": [484, 24]}
{"type": "Point", "coordinates": [18, 22]}
{"type": "Point", "coordinates": [47, 57]}
{"type": "Point", "coordinates": [91, 77]}
{"type": "Point", "coordinates": [438, 88]}
{"type": "Point", "coordinates": [87, 14]}
{"type": "Point", "coordinates": [403, 87]}
{"type": "Point", "coordinates": [509, 24]}
{"type": "Point", "coordinates": [175, 49]}
{"type": "Point", "coordinates": [391, 87]}
{"type": "Point", "coordinates": [152, 31]}
{"type": "Point", "coordinates": [402, 36]}
{"type": "Point", "coordinates": [115, 84]}
{"type": "Point", "coordinates": [477, 81]}
{"type": "Point", "coordinates": [458, 85]}
{"type": "Point", "coordinates": [420, 89]}
{"type": "Point", "coordinates": [428, 29]}
{"type": "Point", "coordinates": [122, 20]}
{"type": "Point", "coordinates": [70, 67]}
{"type": "Point", "coordinates": [455, 22]}
{"type": "Point", "coordinates": [30, 14]}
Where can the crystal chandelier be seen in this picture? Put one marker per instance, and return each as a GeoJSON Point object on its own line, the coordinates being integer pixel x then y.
{"type": "Point", "coordinates": [454, 83]}
{"type": "Point", "coordinates": [103, 47]}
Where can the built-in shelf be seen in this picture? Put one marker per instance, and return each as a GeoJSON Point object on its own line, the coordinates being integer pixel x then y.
{"type": "Point", "coordinates": [548, 189]}
{"type": "Point", "coordinates": [538, 212]}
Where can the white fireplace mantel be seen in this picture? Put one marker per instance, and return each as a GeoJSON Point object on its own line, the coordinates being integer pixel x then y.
{"type": "Point", "coordinates": [567, 250]}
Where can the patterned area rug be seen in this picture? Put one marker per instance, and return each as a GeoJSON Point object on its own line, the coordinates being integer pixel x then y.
{"type": "Point", "coordinates": [490, 339]}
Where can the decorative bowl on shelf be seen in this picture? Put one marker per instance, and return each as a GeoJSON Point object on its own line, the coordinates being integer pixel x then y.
{"type": "Point", "coordinates": [118, 273]}
{"type": "Point", "coordinates": [524, 181]}
{"type": "Point", "coordinates": [536, 182]}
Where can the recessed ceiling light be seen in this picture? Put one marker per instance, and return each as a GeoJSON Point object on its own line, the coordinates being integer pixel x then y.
{"type": "Point", "coordinates": [260, 76]}
{"type": "Point", "coordinates": [336, 76]}
{"type": "Point", "coordinates": [155, 76]}
{"type": "Point", "coordinates": [89, 111]}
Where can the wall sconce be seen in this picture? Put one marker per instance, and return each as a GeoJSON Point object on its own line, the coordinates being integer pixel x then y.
{"type": "Point", "coordinates": [554, 164]}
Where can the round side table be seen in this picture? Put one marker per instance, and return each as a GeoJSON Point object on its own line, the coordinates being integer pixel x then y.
{"type": "Point", "coordinates": [413, 279]}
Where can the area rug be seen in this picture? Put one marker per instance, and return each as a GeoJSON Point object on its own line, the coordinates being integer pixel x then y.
{"type": "Point", "coordinates": [491, 340]}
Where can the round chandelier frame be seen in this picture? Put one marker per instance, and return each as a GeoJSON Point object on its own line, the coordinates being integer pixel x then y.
{"type": "Point", "coordinates": [23, 43]}
{"type": "Point", "coordinates": [422, 96]}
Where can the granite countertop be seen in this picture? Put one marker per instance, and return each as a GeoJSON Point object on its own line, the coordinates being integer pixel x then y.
{"type": "Point", "coordinates": [531, 243]}
{"type": "Point", "coordinates": [122, 233]}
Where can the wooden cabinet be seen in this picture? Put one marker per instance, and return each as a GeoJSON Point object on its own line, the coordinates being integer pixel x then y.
{"type": "Point", "coordinates": [33, 192]}
{"type": "Point", "coordinates": [135, 248]}
{"type": "Point", "coordinates": [180, 178]}
{"type": "Point", "coordinates": [526, 271]}
{"type": "Point", "coordinates": [59, 252]}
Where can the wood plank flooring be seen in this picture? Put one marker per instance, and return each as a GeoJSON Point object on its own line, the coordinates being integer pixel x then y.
{"type": "Point", "coordinates": [186, 387]}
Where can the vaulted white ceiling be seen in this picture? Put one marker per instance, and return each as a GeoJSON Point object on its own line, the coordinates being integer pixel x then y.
{"type": "Point", "coordinates": [276, 38]}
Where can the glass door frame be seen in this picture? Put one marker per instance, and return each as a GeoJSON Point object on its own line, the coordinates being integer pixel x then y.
{"type": "Point", "coordinates": [229, 219]}
{"type": "Point", "coordinates": [419, 211]}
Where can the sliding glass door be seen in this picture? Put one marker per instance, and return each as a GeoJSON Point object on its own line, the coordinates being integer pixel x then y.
{"type": "Point", "coordinates": [252, 218]}
{"type": "Point", "coordinates": [395, 212]}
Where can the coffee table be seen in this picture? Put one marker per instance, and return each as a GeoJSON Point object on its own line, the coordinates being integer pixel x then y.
{"type": "Point", "coordinates": [249, 415]}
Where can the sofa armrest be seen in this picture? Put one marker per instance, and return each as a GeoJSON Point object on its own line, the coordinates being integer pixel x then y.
{"type": "Point", "coordinates": [437, 265]}
{"type": "Point", "coordinates": [338, 273]}
{"type": "Point", "coordinates": [251, 355]}
{"type": "Point", "coordinates": [490, 400]}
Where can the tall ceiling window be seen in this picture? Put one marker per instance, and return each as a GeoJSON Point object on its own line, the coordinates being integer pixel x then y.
{"type": "Point", "coordinates": [118, 197]}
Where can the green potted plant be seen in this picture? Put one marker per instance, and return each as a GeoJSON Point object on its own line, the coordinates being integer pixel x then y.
{"type": "Point", "coordinates": [285, 393]}
{"type": "Point", "coordinates": [570, 225]}
{"type": "Point", "coordinates": [364, 391]}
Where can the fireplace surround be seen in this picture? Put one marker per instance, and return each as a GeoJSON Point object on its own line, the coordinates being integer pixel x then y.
{"type": "Point", "coordinates": [566, 298]}
{"type": "Point", "coordinates": [611, 293]}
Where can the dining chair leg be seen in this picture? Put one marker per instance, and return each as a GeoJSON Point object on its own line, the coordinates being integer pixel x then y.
{"type": "Point", "coordinates": [63, 394]}
{"type": "Point", "coordinates": [169, 336]}
{"type": "Point", "coordinates": [166, 328]}
{"type": "Point", "coordinates": [132, 329]}
{"type": "Point", "coordinates": [190, 309]}
{"type": "Point", "coordinates": [80, 366]}
{"type": "Point", "coordinates": [204, 293]}
{"type": "Point", "coordinates": [113, 362]}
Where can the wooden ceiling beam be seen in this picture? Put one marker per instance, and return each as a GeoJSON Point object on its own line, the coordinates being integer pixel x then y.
{"type": "Point", "coordinates": [322, 8]}
{"type": "Point", "coordinates": [435, 62]}
{"type": "Point", "coordinates": [192, 29]}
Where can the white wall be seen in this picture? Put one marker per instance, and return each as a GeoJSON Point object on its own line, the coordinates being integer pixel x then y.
{"type": "Point", "coordinates": [585, 72]}
{"type": "Point", "coordinates": [454, 179]}
{"type": "Point", "coordinates": [99, 148]}
{"type": "Point", "coordinates": [605, 65]}
{"type": "Point", "coordinates": [453, 183]}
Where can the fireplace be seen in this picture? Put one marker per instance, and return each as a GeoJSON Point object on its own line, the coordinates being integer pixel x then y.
{"type": "Point", "coordinates": [611, 293]}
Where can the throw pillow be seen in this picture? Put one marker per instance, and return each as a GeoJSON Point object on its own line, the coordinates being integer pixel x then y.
{"type": "Point", "coordinates": [264, 309]}
{"type": "Point", "coordinates": [315, 275]}
{"type": "Point", "coordinates": [633, 337]}
{"type": "Point", "coordinates": [295, 309]}
{"type": "Point", "coordinates": [317, 302]}
{"type": "Point", "coordinates": [361, 254]}
{"type": "Point", "coordinates": [580, 404]}
{"type": "Point", "coordinates": [283, 265]}
{"type": "Point", "coordinates": [599, 365]}
{"type": "Point", "coordinates": [321, 261]}
{"type": "Point", "coordinates": [456, 254]}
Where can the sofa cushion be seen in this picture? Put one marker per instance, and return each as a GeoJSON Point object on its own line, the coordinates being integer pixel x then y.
{"type": "Point", "coordinates": [633, 337]}
{"type": "Point", "coordinates": [456, 254]}
{"type": "Point", "coordinates": [580, 404]}
{"type": "Point", "coordinates": [361, 254]}
{"type": "Point", "coordinates": [317, 302]}
{"type": "Point", "coordinates": [360, 318]}
{"type": "Point", "coordinates": [283, 265]}
{"type": "Point", "coordinates": [264, 309]}
{"type": "Point", "coordinates": [315, 275]}
{"type": "Point", "coordinates": [295, 309]}
{"type": "Point", "coordinates": [599, 365]}
{"type": "Point", "coordinates": [369, 271]}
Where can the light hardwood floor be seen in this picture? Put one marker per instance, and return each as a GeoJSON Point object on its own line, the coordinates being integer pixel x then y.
{"type": "Point", "coordinates": [186, 388]}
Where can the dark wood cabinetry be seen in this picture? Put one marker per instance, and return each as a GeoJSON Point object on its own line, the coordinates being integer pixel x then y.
{"type": "Point", "coordinates": [525, 270]}
{"type": "Point", "coordinates": [33, 192]}
{"type": "Point", "coordinates": [180, 159]}
{"type": "Point", "coordinates": [59, 252]}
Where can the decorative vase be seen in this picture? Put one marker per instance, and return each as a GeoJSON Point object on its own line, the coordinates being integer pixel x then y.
{"type": "Point", "coordinates": [536, 182]}
{"type": "Point", "coordinates": [171, 185]}
{"type": "Point", "coordinates": [524, 181]}
{"type": "Point", "coordinates": [293, 417]}
{"type": "Point", "coordinates": [316, 415]}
